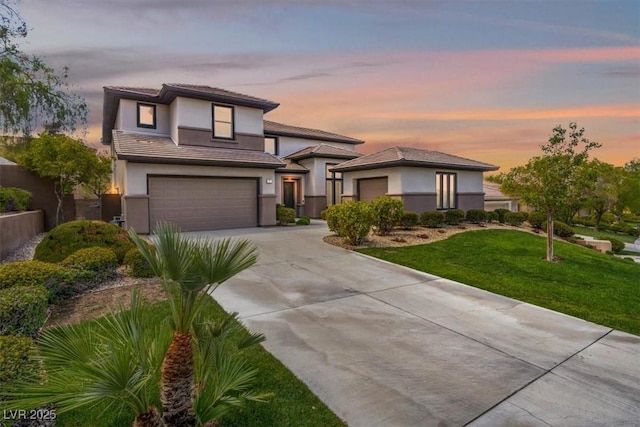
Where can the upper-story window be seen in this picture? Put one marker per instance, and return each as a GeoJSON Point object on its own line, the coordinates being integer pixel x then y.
{"type": "Point", "coordinates": [222, 121]}
{"type": "Point", "coordinates": [445, 190]}
{"type": "Point", "coordinates": [146, 115]}
{"type": "Point", "coordinates": [271, 145]}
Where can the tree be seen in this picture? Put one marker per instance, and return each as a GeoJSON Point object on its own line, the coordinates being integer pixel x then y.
{"type": "Point", "coordinates": [190, 269]}
{"type": "Point", "coordinates": [546, 181]}
{"type": "Point", "coordinates": [31, 93]}
{"type": "Point", "coordinates": [497, 178]}
{"type": "Point", "coordinates": [629, 194]}
{"type": "Point", "coordinates": [64, 160]}
{"type": "Point", "coordinates": [605, 180]}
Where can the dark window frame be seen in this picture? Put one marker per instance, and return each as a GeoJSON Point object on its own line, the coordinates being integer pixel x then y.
{"type": "Point", "coordinates": [276, 144]}
{"type": "Point", "coordinates": [440, 197]}
{"type": "Point", "coordinates": [331, 177]}
{"type": "Point", "coordinates": [213, 121]}
{"type": "Point", "coordinates": [155, 116]}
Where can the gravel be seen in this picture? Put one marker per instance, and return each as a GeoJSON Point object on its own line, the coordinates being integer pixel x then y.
{"type": "Point", "coordinates": [26, 251]}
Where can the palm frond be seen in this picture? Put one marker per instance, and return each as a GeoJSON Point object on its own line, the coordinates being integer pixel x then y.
{"type": "Point", "coordinates": [220, 260]}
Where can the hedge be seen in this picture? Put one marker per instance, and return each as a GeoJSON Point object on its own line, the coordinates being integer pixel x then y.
{"type": "Point", "coordinates": [514, 218]}
{"type": "Point", "coordinates": [492, 216]}
{"type": "Point", "coordinates": [501, 212]}
{"type": "Point", "coordinates": [72, 236]}
{"type": "Point", "coordinates": [137, 265]}
{"type": "Point", "coordinates": [432, 219]}
{"type": "Point", "coordinates": [617, 246]}
{"type": "Point", "coordinates": [560, 229]}
{"type": "Point", "coordinates": [14, 199]}
{"type": "Point", "coordinates": [17, 359]}
{"type": "Point", "coordinates": [476, 216]}
{"type": "Point", "coordinates": [536, 219]}
{"type": "Point", "coordinates": [387, 213]}
{"type": "Point", "coordinates": [409, 220]}
{"type": "Point", "coordinates": [454, 216]}
{"type": "Point", "coordinates": [23, 309]}
{"type": "Point", "coordinates": [100, 262]}
{"type": "Point", "coordinates": [31, 273]}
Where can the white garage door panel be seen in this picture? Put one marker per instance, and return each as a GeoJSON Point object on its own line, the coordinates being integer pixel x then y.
{"type": "Point", "coordinates": [203, 203]}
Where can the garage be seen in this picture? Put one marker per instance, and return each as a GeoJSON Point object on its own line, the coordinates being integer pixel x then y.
{"type": "Point", "coordinates": [202, 203]}
{"type": "Point", "coordinates": [370, 188]}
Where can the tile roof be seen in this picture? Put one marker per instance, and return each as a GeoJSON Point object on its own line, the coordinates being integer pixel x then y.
{"type": "Point", "coordinates": [492, 191]}
{"type": "Point", "coordinates": [135, 90]}
{"type": "Point", "coordinates": [288, 130]}
{"type": "Point", "coordinates": [292, 167]}
{"type": "Point", "coordinates": [217, 92]}
{"type": "Point", "coordinates": [148, 148]}
{"type": "Point", "coordinates": [405, 156]}
{"type": "Point", "coordinates": [323, 150]}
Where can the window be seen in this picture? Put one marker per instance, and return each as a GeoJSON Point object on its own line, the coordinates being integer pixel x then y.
{"type": "Point", "coordinates": [222, 121]}
{"type": "Point", "coordinates": [146, 116]}
{"type": "Point", "coordinates": [445, 190]}
{"type": "Point", "coordinates": [271, 145]}
{"type": "Point", "coordinates": [334, 185]}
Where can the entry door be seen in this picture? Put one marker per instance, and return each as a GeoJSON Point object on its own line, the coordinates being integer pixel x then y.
{"type": "Point", "coordinates": [288, 191]}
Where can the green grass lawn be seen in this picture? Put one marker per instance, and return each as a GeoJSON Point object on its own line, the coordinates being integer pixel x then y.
{"type": "Point", "coordinates": [586, 284]}
{"type": "Point", "coordinates": [293, 405]}
{"type": "Point", "coordinates": [603, 235]}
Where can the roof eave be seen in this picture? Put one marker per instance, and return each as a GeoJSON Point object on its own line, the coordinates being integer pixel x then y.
{"type": "Point", "coordinates": [314, 137]}
{"type": "Point", "coordinates": [413, 163]}
{"type": "Point", "coordinates": [326, 156]}
{"type": "Point", "coordinates": [196, 162]}
{"type": "Point", "coordinates": [168, 94]}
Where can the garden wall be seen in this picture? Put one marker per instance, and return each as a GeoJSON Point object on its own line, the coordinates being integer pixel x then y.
{"type": "Point", "coordinates": [17, 229]}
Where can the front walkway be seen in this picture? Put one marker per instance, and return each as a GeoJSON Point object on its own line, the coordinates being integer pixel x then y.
{"type": "Point", "coordinates": [384, 345]}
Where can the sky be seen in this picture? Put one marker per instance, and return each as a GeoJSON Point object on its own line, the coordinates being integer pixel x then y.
{"type": "Point", "coordinates": [487, 80]}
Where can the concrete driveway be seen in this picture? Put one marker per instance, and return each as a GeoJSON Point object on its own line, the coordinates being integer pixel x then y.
{"type": "Point", "coordinates": [384, 345]}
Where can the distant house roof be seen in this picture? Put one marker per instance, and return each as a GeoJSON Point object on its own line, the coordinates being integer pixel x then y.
{"type": "Point", "coordinates": [147, 148]}
{"type": "Point", "coordinates": [166, 94]}
{"type": "Point", "coordinates": [492, 191]}
{"type": "Point", "coordinates": [291, 167]}
{"type": "Point", "coordinates": [323, 150]}
{"type": "Point", "coordinates": [4, 161]}
{"type": "Point", "coordinates": [273, 128]}
{"type": "Point", "coordinates": [405, 156]}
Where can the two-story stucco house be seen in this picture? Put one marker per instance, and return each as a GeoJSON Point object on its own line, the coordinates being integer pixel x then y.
{"type": "Point", "coordinates": [205, 158]}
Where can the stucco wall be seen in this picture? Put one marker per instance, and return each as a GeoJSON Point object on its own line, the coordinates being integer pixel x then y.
{"type": "Point", "coordinates": [17, 229]}
{"type": "Point", "coordinates": [128, 117]}
{"type": "Point", "coordinates": [197, 114]}
{"type": "Point", "coordinates": [288, 145]}
{"type": "Point", "coordinates": [136, 175]}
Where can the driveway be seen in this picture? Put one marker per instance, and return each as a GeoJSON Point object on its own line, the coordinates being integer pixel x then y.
{"type": "Point", "coordinates": [385, 345]}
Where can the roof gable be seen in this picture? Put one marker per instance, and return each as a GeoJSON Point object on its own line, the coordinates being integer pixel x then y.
{"type": "Point", "coordinates": [274, 128]}
{"type": "Point", "coordinates": [323, 150]}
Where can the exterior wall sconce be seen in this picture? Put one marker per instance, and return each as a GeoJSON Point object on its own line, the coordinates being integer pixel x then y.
{"type": "Point", "coordinates": [269, 181]}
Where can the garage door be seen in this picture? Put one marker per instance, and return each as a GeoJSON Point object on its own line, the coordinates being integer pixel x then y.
{"type": "Point", "coordinates": [197, 204]}
{"type": "Point", "coordinates": [370, 188]}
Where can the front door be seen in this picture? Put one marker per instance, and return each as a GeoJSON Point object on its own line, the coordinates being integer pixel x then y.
{"type": "Point", "coordinates": [289, 198]}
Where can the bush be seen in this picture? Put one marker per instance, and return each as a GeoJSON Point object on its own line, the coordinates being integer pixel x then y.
{"type": "Point", "coordinates": [285, 215]}
{"type": "Point", "coordinates": [617, 246]}
{"type": "Point", "coordinates": [100, 262]}
{"type": "Point", "coordinates": [501, 213]}
{"type": "Point", "coordinates": [454, 216]}
{"type": "Point", "coordinates": [409, 220]}
{"type": "Point", "coordinates": [31, 273]}
{"type": "Point", "coordinates": [323, 214]}
{"type": "Point", "coordinates": [608, 218]}
{"type": "Point", "coordinates": [432, 219]}
{"type": "Point", "coordinates": [585, 221]}
{"type": "Point", "coordinates": [387, 213]}
{"type": "Point", "coordinates": [353, 220]}
{"type": "Point", "coordinates": [560, 229]}
{"type": "Point", "coordinates": [624, 228]}
{"type": "Point", "coordinates": [536, 219]}
{"type": "Point", "coordinates": [305, 220]}
{"type": "Point", "coordinates": [72, 236]}
{"type": "Point", "coordinates": [514, 218]}
{"type": "Point", "coordinates": [137, 265]}
{"type": "Point", "coordinates": [23, 309]}
{"type": "Point", "coordinates": [331, 216]}
{"type": "Point", "coordinates": [492, 216]}
{"type": "Point", "coordinates": [477, 216]}
{"type": "Point", "coordinates": [17, 359]}
{"type": "Point", "coordinates": [14, 199]}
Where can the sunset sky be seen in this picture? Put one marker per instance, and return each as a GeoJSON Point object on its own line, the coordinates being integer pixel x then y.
{"type": "Point", "coordinates": [481, 79]}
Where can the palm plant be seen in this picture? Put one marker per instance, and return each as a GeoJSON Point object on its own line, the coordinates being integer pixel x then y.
{"type": "Point", "coordinates": [117, 360]}
{"type": "Point", "coordinates": [190, 269]}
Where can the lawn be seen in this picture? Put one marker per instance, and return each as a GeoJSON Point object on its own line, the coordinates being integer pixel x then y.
{"type": "Point", "coordinates": [603, 235]}
{"type": "Point", "coordinates": [293, 405]}
{"type": "Point", "coordinates": [585, 283]}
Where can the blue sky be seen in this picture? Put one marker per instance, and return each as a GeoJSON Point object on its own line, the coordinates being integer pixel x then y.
{"type": "Point", "coordinates": [482, 79]}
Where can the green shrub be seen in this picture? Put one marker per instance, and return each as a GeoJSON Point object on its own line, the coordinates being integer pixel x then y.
{"type": "Point", "coordinates": [353, 219]}
{"type": "Point", "coordinates": [137, 265]}
{"type": "Point", "coordinates": [432, 219]}
{"type": "Point", "coordinates": [14, 199]}
{"type": "Point", "coordinates": [536, 219]}
{"type": "Point", "coordinates": [524, 216]}
{"type": "Point", "coordinates": [72, 236]}
{"type": "Point", "coordinates": [617, 246]}
{"type": "Point", "coordinates": [560, 229]}
{"type": "Point", "coordinates": [501, 213]}
{"type": "Point", "coordinates": [17, 361]}
{"type": "Point", "coordinates": [387, 213]}
{"type": "Point", "coordinates": [331, 216]}
{"type": "Point", "coordinates": [31, 273]}
{"type": "Point", "coordinates": [476, 216]}
{"type": "Point", "coordinates": [285, 215]}
{"type": "Point", "coordinates": [584, 220]}
{"type": "Point", "coordinates": [454, 216]}
{"type": "Point", "coordinates": [100, 262]}
{"type": "Point", "coordinates": [409, 220]}
{"type": "Point", "coordinates": [323, 214]}
{"type": "Point", "coordinates": [492, 216]}
{"type": "Point", "coordinates": [304, 220]}
{"type": "Point", "coordinates": [23, 309]}
{"type": "Point", "coordinates": [608, 218]}
{"type": "Point", "coordinates": [514, 218]}
{"type": "Point", "coordinates": [624, 228]}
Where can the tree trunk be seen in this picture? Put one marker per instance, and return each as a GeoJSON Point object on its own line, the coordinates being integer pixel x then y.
{"type": "Point", "coordinates": [549, 236]}
{"type": "Point", "coordinates": [177, 382]}
{"type": "Point", "coordinates": [148, 419]}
